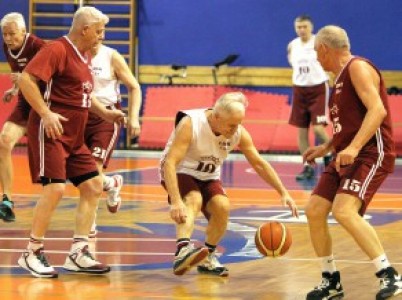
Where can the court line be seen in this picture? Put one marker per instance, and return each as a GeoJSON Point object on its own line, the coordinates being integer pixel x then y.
{"type": "Point", "coordinates": [93, 239]}
{"type": "Point", "coordinates": [346, 261]}
{"type": "Point", "coordinates": [96, 252]}
{"type": "Point", "coordinates": [237, 199]}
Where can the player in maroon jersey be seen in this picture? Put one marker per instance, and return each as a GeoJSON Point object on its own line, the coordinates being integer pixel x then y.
{"type": "Point", "coordinates": [57, 151]}
{"type": "Point", "coordinates": [19, 48]}
{"type": "Point", "coordinates": [364, 156]}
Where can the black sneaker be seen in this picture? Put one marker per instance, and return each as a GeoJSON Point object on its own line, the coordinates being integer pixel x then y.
{"type": "Point", "coordinates": [330, 288]}
{"type": "Point", "coordinates": [307, 173]}
{"type": "Point", "coordinates": [6, 210]}
{"type": "Point", "coordinates": [390, 283]}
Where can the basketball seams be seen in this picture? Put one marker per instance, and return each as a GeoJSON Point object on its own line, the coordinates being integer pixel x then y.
{"type": "Point", "coordinates": [260, 242]}
{"type": "Point", "coordinates": [277, 252]}
{"type": "Point", "coordinates": [270, 241]}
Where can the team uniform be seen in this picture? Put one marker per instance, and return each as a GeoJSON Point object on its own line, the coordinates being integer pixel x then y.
{"type": "Point", "coordinates": [200, 169]}
{"type": "Point", "coordinates": [100, 135]}
{"type": "Point", "coordinates": [68, 79]}
{"type": "Point", "coordinates": [310, 85]}
{"type": "Point", "coordinates": [17, 60]}
{"type": "Point", "coordinates": [375, 160]}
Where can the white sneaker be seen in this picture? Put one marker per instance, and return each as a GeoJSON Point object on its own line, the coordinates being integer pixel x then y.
{"type": "Point", "coordinates": [187, 258]}
{"type": "Point", "coordinates": [35, 262]}
{"type": "Point", "coordinates": [213, 266]}
{"type": "Point", "coordinates": [82, 261]}
{"type": "Point", "coordinates": [113, 200]}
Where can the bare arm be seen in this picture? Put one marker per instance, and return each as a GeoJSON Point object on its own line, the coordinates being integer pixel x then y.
{"type": "Point", "coordinates": [13, 91]}
{"type": "Point", "coordinates": [289, 50]}
{"type": "Point", "coordinates": [264, 169]}
{"type": "Point", "coordinates": [366, 82]}
{"type": "Point", "coordinates": [124, 74]}
{"type": "Point", "coordinates": [51, 121]}
{"type": "Point", "coordinates": [177, 151]}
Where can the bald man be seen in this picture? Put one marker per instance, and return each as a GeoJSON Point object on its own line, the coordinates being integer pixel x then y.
{"type": "Point", "coordinates": [57, 151]}
{"type": "Point", "coordinates": [364, 156]}
{"type": "Point", "coordinates": [190, 172]}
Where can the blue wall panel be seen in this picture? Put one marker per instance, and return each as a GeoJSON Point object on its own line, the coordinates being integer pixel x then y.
{"type": "Point", "coordinates": [203, 32]}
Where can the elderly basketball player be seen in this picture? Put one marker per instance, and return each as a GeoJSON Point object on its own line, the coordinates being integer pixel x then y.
{"type": "Point", "coordinates": [190, 172]}
{"type": "Point", "coordinates": [365, 155]}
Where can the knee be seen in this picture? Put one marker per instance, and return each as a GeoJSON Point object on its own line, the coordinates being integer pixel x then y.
{"type": "Point", "coordinates": [92, 188]}
{"type": "Point", "coordinates": [342, 215]}
{"type": "Point", "coordinates": [315, 211]}
{"type": "Point", "coordinates": [220, 208]}
{"type": "Point", "coordinates": [5, 143]}
{"type": "Point", "coordinates": [193, 201]}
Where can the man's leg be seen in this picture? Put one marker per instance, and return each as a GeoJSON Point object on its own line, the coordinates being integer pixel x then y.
{"type": "Point", "coordinates": [80, 259]}
{"type": "Point", "coordinates": [317, 211]}
{"type": "Point", "coordinates": [9, 136]}
{"type": "Point", "coordinates": [218, 208]}
{"type": "Point", "coordinates": [303, 142]}
{"type": "Point", "coordinates": [322, 137]}
{"type": "Point", "coordinates": [33, 259]}
{"type": "Point", "coordinates": [345, 211]}
{"type": "Point", "coordinates": [186, 255]}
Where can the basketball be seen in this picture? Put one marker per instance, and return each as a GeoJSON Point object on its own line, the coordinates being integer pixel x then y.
{"type": "Point", "coordinates": [273, 239]}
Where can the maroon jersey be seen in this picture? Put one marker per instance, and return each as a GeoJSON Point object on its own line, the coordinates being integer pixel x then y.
{"type": "Point", "coordinates": [65, 71]}
{"type": "Point", "coordinates": [18, 59]}
{"type": "Point", "coordinates": [347, 113]}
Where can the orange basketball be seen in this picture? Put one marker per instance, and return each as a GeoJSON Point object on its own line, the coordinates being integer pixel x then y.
{"type": "Point", "coordinates": [273, 239]}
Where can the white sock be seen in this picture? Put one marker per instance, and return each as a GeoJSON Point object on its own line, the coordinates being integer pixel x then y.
{"type": "Point", "coordinates": [328, 264]}
{"type": "Point", "coordinates": [108, 182]}
{"type": "Point", "coordinates": [381, 262]}
{"type": "Point", "coordinates": [35, 243]}
{"type": "Point", "coordinates": [79, 242]}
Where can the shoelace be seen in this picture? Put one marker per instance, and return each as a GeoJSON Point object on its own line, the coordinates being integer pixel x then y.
{"type": "Point", "coordinates": [42, 258]}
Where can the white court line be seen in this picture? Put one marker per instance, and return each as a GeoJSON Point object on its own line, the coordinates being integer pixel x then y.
{"type": "Point", "coordinates": [90, 240]}
{"type": "Point", "coordinates": [61, 266]}
{"type": "Point", "coordinates": [96, 252]}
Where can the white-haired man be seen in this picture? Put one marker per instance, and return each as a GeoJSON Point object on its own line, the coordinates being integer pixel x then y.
{"type": "Point", "coordinates": [19, 48]}
{"type": "Point", "coordinates": [190, 172]}
{"type": "Point", "coordinates": [364, 156]}
{"type": "Point", "coordinates": [57, 151]}
{"type": "Point", "coordinates": [109, 69]}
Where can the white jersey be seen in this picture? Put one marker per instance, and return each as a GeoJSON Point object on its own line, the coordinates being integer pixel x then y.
{"type": "Point", "coordinates": [106, 86]}
{"type": "Point", "coordinates": [307, 71]}
{"type": "Point", "coordinates": [206, 152]}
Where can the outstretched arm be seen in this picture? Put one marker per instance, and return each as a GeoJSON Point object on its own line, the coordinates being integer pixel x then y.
{"type": "Point", "coordinates": [177, 151]}
{"type": "Point", "coordinates": [265, 170]}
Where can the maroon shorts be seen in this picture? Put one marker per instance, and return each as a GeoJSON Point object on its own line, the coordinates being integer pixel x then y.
{"type": "Point", "coordinates": [101, 138]}
{"type": "Point", "coordinates": [309, 105]}
{"type": "Point", "coordinates": [360, 179]}
{"type": "Point", "coordinates": [20, 114]}
{"type": "Point", "coordinates": [208, 189]}
{"type": "Point", "coordinates": [63, 158]}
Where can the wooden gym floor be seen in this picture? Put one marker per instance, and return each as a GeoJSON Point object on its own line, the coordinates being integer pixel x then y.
{"type": "Point", "coordinates": [139, 241]}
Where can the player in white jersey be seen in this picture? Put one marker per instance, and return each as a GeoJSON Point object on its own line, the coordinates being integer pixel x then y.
{"type": "Point", "coordinates": [190, 172]}
{"type": "Point", "coordinates": [109, 69]}
{"type": "Point", "coordinates": [310, 90]}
